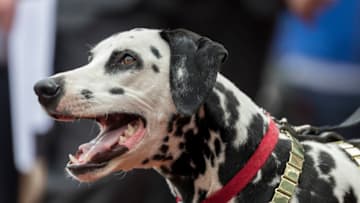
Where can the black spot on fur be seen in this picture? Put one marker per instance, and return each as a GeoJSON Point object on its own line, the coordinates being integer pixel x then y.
{"type": "Point", "coordinates": [350, 196]}
{"type": "Point", "coordinates": [321, 189]}
{"type": "Point", "coordinates": [171, 123]}
{"type": "Point", "coordinates": [202, 194]}
{"type": "Point", "coordinates": [181, 145]}
{"type": "Point", "coordinates": [165, 169]}
{"type": "Point", "coordinates": [162, 157]}
{"type": "Point", "coordinates": [231, 103]}
{"type": "Point", "coordinates": [185, 186]}
{"type": "Point", "coordinates": [155, 68]}
{"type": "Point", "coordinates": [164, 148]}
{"type": "Point", "coordinates": [326, 162]}
{"type": "Point", "coordinates": [207, 152]}
{"type": "Point", "coordinates": [217, 146]}
{"type": "Point", "coordinates": [192, 161]}
{"type": "Point", "coordinates": [166, 139]}
{"type": "Point", "coordinates": [307, 148]}
{"type": "Point", "coordinates": [212, 159]}
{"type": "Point", "coordinates": [145, 161]}
{"type": "Point", "coordinates": [155, 51]}
{"type": "Point", "coordinates": [180, 122]}
{"type": "Point", "coordinates": [170, 157]}
{"type": "Point", "coordinates": [87, 94]}
{"type": "Point", "coordinates": [158, 157]}
{"type": "Point", "coordinates": [178, 132]}
{"type": "Point", "coordinates": [117, 90]}
{"type": "Point", "coordinates": [182, 165]}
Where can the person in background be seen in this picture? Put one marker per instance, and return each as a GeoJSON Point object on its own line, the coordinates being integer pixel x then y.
{"type": "Point", "coordinates": [28, 30]}
{"type": "Point", "coordinates": [314, 70]}
{"type": "Point", "coordinates": [8, 173]}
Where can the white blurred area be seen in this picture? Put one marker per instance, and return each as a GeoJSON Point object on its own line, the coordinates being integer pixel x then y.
{"type": "Point", "coordinates": [30, 58]}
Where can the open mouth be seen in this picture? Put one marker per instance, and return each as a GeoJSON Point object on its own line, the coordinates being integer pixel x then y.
{"type": "Point", "coordinates": [119, 133]}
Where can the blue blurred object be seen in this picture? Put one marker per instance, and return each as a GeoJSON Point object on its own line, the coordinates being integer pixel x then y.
{"type": "Point", "coordinates": [314, 66]}
{"type": "Point", "coordinates": [334, 35]}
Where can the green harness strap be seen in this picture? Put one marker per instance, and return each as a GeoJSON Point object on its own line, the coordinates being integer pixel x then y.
{"type": "Point", "coordinates": [290, 178]}
{"type": "Point", "coordinates": [351, 150]}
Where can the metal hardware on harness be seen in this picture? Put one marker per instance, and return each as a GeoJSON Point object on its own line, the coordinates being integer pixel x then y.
{"type": "Point", "coordinates": [293, 169]}
{"type": "Point", "coordinates": [351, 150]}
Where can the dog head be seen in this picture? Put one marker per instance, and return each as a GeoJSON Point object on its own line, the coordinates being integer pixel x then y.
{"type": "Point", "coordinates": [134, 82]}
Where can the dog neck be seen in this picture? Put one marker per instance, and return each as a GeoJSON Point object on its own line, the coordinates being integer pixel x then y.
{"type": "Point", "coordinates": [213, 144]}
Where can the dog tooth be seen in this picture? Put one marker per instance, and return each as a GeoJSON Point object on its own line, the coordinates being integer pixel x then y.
{"type": "Point", "coordinates": [122, 139]}
{"type": "Point", "coordinates": [130, 129]}
{"type": "Point", "coordinates": [84, 158]}
{"type": "Point", "coordinates": [127, 133]}
{"type": "Point", "coordinates": [72, 158]}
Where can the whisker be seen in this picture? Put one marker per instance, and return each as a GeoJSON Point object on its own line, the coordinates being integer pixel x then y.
{"type": "Point", "coordinates": [141, 101]}
{"type": "Point", "coordinates": [89, 46]}
{"type": "Point", "coordinates": [120, 175]}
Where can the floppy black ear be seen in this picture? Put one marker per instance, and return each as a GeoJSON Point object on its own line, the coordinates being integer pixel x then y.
{"type": "Point", "coordinates": [194, 64]}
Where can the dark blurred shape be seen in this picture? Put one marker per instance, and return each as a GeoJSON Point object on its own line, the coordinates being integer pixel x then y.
{"type": "Point", "coordinates": [8, 173]}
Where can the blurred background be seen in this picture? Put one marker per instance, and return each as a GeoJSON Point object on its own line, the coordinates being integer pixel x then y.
{"type": "Point", "coordinates": [298, 59]}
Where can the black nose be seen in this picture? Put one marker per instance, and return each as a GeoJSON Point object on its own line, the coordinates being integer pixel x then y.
{"type": "Point", "coordinates": [47, 89]}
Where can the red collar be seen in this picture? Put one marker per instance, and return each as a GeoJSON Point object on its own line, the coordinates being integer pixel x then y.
{"type": "Point", "coordinates": [248, 172]}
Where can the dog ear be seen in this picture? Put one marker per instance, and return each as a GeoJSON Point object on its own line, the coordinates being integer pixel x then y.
{"type": "Point", "coordinates": [194, 64]}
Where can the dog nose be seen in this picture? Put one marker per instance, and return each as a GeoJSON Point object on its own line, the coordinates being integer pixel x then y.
{"type": "Point", "coordinates": [47, 89]}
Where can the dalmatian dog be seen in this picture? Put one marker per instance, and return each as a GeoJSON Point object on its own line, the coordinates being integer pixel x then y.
{"type": "Point", "coordinates": [161, 103]}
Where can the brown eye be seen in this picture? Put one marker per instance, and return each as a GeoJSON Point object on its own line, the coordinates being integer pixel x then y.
{"type": "Point", "coordinates": [122, 61]}
{"type": "Point", "coordinates": [128, 60]}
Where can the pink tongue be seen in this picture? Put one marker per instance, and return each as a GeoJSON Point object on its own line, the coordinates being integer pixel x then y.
{"type": "Point", "coordinates": [109, 139]}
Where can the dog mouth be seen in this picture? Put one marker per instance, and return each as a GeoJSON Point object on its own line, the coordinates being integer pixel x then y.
{"type": "Point", "coordinates": [119, 134]}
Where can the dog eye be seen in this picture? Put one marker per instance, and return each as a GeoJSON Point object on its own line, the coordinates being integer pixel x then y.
{"type": "Point", "coordinates": [128, 60]}
{"type": "Point", "coordinates": [122, 60]}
